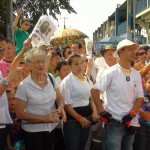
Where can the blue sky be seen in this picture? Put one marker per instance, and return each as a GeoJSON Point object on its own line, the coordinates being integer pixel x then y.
{"type": "Point", "coordinates": [90, 14]}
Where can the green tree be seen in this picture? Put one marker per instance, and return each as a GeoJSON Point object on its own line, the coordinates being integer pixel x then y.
{"type": "Point", "coordinates": [33, 9]}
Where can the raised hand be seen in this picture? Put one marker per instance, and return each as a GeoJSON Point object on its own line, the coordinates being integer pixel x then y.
{"type": "Point", "coordinates": [19, 12]}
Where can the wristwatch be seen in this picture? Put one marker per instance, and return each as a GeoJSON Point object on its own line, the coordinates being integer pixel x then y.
{"type": "Point", "coordinates": [5, 83]}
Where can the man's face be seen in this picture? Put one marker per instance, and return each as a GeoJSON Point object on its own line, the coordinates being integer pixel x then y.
{"type": "Point", "coordinates": [9, 51]}
{"type": "Point", "coordinates": [2, 47]}
{"type": "Point", "coordinates": [128, 53]}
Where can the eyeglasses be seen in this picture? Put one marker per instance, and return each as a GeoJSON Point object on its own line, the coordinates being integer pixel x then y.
{"type": "Point", "coordinates": [39, 62]}
{"type": "Point", "coordinates": [142, 53]}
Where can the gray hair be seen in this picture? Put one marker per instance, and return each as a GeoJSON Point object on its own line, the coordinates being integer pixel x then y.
{"type": "Point", "coordinates": [30, 54]}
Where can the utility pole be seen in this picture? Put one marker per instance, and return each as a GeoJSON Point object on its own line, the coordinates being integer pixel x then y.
{"type": "Point", "coordinates": [9, 19]}
{"type": "Point", "coordinates": [64, 23]}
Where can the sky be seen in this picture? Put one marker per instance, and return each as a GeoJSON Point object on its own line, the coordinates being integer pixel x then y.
{"type": "Point", "coordinates": [90, 14]}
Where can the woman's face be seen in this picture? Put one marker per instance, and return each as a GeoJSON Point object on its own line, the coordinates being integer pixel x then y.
{"type": "Point", "coordinates": [142, 56]}
{"type": "Point", "coordinates": [38, 64]}
{"type": "Point", "coordinates": [77, 66]}
{"type": "Point", "coordinates": [55, 60]}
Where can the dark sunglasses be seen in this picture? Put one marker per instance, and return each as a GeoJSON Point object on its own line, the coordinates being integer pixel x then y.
{"type": "Point", "coordinates": [69, 52]}
{"type": "Point", "coordinates": [142, 53]}
{"type": "Point", "coordinates": [27, 24]}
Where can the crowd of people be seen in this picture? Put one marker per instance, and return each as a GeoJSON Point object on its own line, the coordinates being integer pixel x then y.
{"type": "Point", "coordinates": [51, 98]}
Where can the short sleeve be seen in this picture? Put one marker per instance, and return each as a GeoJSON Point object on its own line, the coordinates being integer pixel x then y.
{"type": "Point", "coordinates": [65, 89]}
{"type": "Point", "coordinates": [21, 92]}
{"type": "Point", "coordinates": [17, 32]}
{"type": "Point", "coordinates": [104, 81]}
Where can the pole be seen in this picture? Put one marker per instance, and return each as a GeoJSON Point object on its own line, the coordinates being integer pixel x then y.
{"type": "Point", "coordinates": [134, 13]}
{"type": "Point", "coordinates": [9, 19]}
{"type": "Point", "coordinates": [64, 22]}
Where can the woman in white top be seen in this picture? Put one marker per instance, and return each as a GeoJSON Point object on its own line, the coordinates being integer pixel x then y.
{"type": "Point", "coordinates": [75, 89]}
{"type": "Point", "coordinates": [36, 96]}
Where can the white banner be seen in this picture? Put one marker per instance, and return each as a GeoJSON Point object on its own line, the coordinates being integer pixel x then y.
{"type": "Point", "coordinates": [43, 31]}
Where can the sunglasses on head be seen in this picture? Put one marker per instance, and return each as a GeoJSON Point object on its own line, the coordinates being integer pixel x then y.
{"type": "Point", "coordinates": [142, 53]}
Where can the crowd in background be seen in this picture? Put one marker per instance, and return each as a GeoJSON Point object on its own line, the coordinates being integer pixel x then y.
{"type": "Point", "coordinates": [46, 98]}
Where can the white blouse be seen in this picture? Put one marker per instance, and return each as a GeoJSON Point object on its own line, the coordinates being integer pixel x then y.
{"type": "Point", "coordinates": [39, 102]}
{"type": "Point", "coordinates": [76, 91]}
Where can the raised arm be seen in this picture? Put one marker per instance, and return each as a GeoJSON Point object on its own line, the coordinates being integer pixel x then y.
{"type": "Point", "coordinates": [18, 58]}
{"type": "Point", "coordinates": [13, 74]}
{"type": "Point", "coordinates": [15, 23]}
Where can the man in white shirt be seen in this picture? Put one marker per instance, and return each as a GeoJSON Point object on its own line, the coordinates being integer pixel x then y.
{"type": "Point", "coordinates": [124, 92]}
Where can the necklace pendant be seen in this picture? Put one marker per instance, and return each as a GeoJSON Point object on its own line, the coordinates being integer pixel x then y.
{"type": "Point", "coordinates": [127, 78]}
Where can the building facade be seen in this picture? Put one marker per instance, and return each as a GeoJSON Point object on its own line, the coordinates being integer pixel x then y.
{"type": "Point", "coordinates": [130, 20]}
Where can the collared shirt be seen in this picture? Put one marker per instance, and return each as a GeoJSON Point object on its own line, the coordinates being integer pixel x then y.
{"type": "Point", "coordinates": [75, 91]}
{"type": "Point", "coordinates": [121, 94]}
{"type": "Point", "coordinates": [39, 102]}
{"type": "Point", "coordinates": [4, 112]}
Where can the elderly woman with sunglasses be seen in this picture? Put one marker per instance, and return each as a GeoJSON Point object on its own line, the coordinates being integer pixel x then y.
{"type": "Point", "coordinates": [141, 58]}
{"type": "Point", "coordinates": [36, 96]}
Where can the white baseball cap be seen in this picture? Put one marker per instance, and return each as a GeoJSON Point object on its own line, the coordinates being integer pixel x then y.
{"type": "Point", "coordinates": [122, 44]}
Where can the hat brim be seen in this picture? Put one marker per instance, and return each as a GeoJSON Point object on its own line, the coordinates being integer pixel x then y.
{"type": "Point", "coordinates": [115, 54]}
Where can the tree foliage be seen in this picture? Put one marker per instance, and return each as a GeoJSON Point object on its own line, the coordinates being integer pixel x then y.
{"type": "Point", "coordinates": [33, 9]}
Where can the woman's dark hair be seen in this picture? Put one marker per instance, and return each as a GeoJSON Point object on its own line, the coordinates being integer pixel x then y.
{"type": "Point", "coordinates": [63, 53]}
{"type": "Point", "coordinates": [56, 53]}
{"type": "Point", "coordinates": [60, 64]}
{"type": "Point", "coordinates": [71, 57]}
{"type": "Point", "coordinates": [144, 47]}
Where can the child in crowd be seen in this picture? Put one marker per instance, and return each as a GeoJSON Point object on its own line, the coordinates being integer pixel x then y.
{"type": "Point", "coordinates": [15, 137]}
{"type": "Point", "coordinates": [63, 69]}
